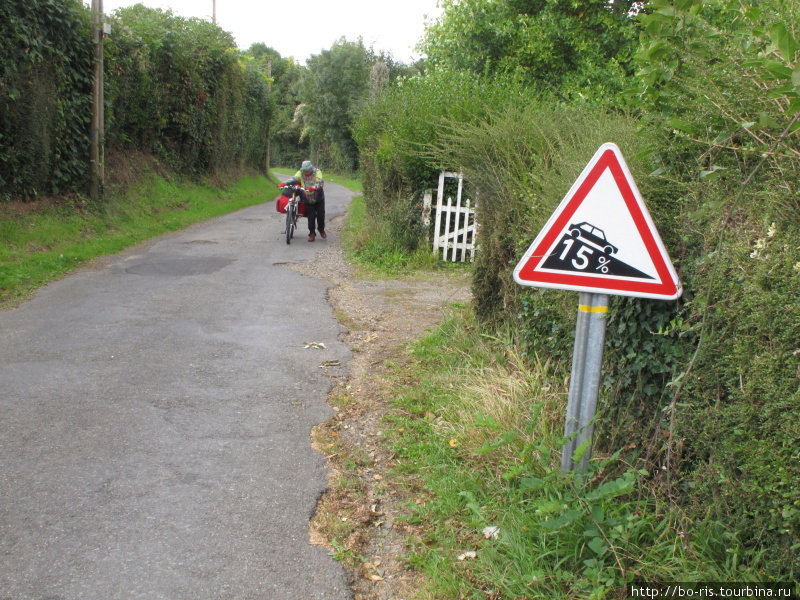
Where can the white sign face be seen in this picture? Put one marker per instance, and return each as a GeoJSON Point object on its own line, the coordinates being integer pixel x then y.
{"type": "Point", "coordinates": [601, 238]}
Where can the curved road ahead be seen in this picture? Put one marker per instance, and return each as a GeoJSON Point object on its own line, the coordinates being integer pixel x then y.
{"type": "Point", "coordinates": [155, 412]}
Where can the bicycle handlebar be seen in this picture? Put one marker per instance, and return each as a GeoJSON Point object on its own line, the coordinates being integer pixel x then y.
{"type": "Point", "coordinates": [294, 187]}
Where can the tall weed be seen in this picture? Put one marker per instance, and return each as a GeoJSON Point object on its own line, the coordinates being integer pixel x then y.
{"type": "Point", "coordinates": [477, 434]}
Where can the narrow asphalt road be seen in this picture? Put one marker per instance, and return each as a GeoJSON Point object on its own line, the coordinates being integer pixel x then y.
{"type": "Point", "coordinates": [155, 412]}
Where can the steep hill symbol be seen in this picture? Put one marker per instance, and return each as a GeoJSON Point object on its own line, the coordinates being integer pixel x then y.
{"type": "Point", "coordinates": [585, 249]}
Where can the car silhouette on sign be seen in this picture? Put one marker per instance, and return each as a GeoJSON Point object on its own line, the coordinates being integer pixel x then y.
{"type": "Point", "coordinates": [592, 236]}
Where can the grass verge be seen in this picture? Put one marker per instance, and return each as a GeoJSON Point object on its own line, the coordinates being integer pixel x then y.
{"type": "Point", "coordinates": [369, 243]}
{"type": "Point", "coordinates": [476, 429]}
{"type": "Point", "coordinates": [42, 242]}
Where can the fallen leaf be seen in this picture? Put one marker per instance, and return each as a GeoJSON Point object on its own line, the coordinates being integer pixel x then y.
{"type": "Point", "coordinates": [374, 577]}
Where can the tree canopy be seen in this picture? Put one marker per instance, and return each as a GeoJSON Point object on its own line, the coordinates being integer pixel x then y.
{"type": "Point", "coordinates": [567, 46]}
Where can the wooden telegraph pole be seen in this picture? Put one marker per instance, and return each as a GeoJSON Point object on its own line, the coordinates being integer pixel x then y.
{"type": "Point", "coordinates": [269, 98]}
{"type": "Point", "coordinates": [97, 124]}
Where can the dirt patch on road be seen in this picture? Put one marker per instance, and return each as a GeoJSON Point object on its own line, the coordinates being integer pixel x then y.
{"type": "Point", "coordinates": [360, 517]}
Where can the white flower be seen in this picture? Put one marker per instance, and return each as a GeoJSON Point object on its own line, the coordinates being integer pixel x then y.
{"type": "Point", "coordinates": [771, 231]}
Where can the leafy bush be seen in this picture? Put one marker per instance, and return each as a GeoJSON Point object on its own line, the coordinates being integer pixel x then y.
{"type": "Point", "coordinates": [704, 392]}
{"type": "Point", "coordinates": [397, 134]}
{"type": "Point", "coordinates": [174, 87]}
{"type": "Point", "coordinates": [178, 88]}
{"type": "Point", "coordinates": [721, 79]}
{"type": "Point", "coordinates": [45, 97]}
{"type": "Point", "coordinates": [579, 50]}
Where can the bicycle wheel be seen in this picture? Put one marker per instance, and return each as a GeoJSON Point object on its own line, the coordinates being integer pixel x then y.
{"type": "Point", "coordinates": [290, 218]}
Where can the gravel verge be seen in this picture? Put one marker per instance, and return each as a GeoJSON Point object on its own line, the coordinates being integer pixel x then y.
{"type": "Point", "coordinates": [381, 317]}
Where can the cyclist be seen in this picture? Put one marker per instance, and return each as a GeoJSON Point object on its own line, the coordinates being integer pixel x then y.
{"type": "Point", "coordinates": [310, 179]}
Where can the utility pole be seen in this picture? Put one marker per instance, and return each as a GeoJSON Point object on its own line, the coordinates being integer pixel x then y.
{"type": "Point", "coordinates": [97, 124]}
{"type": "Point", "coordinates": [214, 13]}
{"type": "Point", "coordinates": [269, 99]}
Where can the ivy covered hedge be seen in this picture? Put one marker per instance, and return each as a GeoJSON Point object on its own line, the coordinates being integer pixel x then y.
{"type": "Point", "coordinates": [704, 392]}
{"type": "Point", "coordinates": [176, 88]}
{"type": "Point", "coordinates": [45, 96]}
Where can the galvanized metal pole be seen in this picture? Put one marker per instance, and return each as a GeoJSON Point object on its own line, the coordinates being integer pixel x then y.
{"type": "Point", "coordinates": [575, 385]}
{"type": "Point", "coordinates": [598, 309]}
{"type": "Point", "coordinates": [587, 362]}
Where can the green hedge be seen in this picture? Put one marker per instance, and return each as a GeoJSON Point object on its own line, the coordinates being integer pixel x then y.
{"type": "Point", "coordinates": [705, 391]}
{"type": "Point", "coordinates": [174, 87]}
{"type": "Point", "coordinates": [45, 96]}
{"type": "Point", "coordinates": [178, 88]}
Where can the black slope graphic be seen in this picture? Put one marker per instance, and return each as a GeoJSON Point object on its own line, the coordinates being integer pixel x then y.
{"type": "Point", "coordinates": [585, 249]}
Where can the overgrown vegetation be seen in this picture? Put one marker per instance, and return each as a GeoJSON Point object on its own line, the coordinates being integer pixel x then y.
{"type": "Point", "coordinates": [576, 49]}
{"type": "Point", "coordinates": [45, 54]}
{"type": "Point", "coordinates": [177, 88]}
{"type": "Point", "coordinates": [703, 393]}
{"type": "Point", "coordinates": [477, 435]}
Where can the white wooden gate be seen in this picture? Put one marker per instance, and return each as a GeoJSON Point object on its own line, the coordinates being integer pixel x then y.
{"type": "Point", "coordinates": [455, 229]}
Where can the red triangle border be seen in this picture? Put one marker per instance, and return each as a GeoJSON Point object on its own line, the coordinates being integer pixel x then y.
{"type": "Point", "coordinates": [667, 288]}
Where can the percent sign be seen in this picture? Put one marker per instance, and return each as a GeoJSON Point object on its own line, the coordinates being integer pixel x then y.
{"type": "Point", "coordinates": [603, 266]}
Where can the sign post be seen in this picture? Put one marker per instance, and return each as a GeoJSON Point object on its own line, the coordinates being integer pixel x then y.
{"type": "Point", "coordinates": [599, 241]}
{"type": "Point", "coordinates": [587, 360]}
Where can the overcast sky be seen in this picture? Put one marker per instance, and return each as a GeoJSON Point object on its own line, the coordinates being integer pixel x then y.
{"type": "Point", "coordinates": [305, 27]}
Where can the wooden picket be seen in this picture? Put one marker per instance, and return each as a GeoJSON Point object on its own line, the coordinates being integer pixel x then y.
{"type": "Point", "coordinates": [455, 228]}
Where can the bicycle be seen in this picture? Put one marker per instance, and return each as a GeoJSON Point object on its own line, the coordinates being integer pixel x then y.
{"type": "Point", "coordinates": [292, 209]}
{"type": "Point", "coordinates": [293, 206]}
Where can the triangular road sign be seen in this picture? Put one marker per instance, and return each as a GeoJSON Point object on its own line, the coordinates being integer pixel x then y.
{"type": "Point", "coordinates": [601, 238]}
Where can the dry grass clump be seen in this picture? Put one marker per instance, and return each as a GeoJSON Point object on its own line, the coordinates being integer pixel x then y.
{"type": "Point", "coordinates": [507, 410]}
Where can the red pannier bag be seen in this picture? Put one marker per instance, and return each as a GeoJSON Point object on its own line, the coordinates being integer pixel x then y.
{"type": "Point", "coordinates": [282, 201]}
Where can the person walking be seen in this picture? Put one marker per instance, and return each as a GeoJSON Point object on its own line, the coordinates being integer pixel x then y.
{"type": "Point", "coordinates": [310, 179]}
